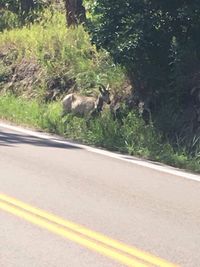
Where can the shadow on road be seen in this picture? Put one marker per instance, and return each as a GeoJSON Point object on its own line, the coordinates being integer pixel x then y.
{"type": "Point", "coordinates": [12, 139]}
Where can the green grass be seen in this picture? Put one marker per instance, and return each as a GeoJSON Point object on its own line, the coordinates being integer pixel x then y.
{"type": "Point", "coordinates": [62, 54]}
{"type": "Point", "coordinates": [132, 136]}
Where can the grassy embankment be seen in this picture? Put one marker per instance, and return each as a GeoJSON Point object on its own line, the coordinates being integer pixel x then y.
{"type": "Point", "coordinates": [43, 58]}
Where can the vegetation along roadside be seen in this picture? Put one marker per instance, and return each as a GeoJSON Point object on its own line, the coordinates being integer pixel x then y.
{"type": "Point", "coordinates": [41, 60]}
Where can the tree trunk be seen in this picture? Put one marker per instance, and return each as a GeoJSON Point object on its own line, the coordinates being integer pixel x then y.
{"type": "Point", "coordinates": [27, 6]}
{"type": "Point", "coordinates": [75, 12]}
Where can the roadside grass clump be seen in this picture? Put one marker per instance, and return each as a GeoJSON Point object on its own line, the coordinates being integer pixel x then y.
{"type": "Point", "coordinates": [20, 111]}
{"type": "Point", "coordinates": [75, 128]}
{"type": "Point", "coordinates": [105, 132]}
{"type": "Point", "coordinates": [50, 119]}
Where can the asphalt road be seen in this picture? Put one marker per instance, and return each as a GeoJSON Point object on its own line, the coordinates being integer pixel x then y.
{"type": "Point", "coordinates": [150, 210]}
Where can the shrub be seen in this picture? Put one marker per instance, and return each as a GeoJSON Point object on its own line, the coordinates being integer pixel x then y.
{"type": "Point", "coordinates": [65, 57]}
{"type": "Point", "coordinates": [8, 20]}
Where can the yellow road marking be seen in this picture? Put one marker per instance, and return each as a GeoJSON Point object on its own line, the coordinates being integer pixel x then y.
{"type": "Point", "coordinates": [80, 234]}
{"type": "Point", "coordinates": [71, 236]}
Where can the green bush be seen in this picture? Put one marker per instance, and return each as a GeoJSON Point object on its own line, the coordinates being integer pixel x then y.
{"type": "Point", "coordinates": [18, 13]}
{"type": "Point", "coordinates": [65, 56]}
{"type": "Point", "coordinates": [8, 20]}
{"type": "Point", "coordinates": [152, 39]}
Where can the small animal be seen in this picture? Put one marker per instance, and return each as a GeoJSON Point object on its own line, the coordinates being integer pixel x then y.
{"type": "Point", "coordinates": [84, 105]}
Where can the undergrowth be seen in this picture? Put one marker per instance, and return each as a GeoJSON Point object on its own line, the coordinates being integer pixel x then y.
{"type": "Point", "coordinates": [64, 58]}
{"type": "Point", "coordinates": [130, 136]}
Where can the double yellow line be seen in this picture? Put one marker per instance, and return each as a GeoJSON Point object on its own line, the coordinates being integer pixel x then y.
{"type": "Point", "coordinates": [127, 255]}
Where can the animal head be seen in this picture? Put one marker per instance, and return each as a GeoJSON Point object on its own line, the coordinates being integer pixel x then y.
{"type": "Point", "coordinates": [105, 93]}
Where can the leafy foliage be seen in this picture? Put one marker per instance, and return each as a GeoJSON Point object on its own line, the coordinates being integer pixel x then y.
{"type": "Point", "coordinates": [17, 13]}
{"type": "Point", "coordinates": [143, 35]}
{"type": "Point", "coordinates": [158, 43]}
{"type": "Point", "coordinates": [54, 59]}
{"type": "Point", "coordinates": [8, 20]}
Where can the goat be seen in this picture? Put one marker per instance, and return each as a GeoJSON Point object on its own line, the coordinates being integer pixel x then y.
{"type": "Point", "coordinates": [84, 105]}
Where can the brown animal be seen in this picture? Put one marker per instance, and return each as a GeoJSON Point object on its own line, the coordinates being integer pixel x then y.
{"type": "Point", "coordinates": [84, 105]}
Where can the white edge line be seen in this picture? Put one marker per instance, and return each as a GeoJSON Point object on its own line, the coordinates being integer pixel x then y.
{"type": "Point", "coordinates": [133, 160]}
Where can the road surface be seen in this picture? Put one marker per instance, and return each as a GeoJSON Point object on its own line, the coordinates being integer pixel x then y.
{"type": "Point", "coordinates": [64, 205]}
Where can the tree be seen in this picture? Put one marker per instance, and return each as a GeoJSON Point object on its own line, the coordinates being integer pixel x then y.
{"type": "Point", "coordinates": [143, 35]}
{"type": "Point", "coordinates": [158, 43]}
{"type": "Point", "coordinates": [75, 12]}
{"type": "Point", "coordinates": [25, 7]}
{"type": "Point", "coordinates": [25, 10]}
